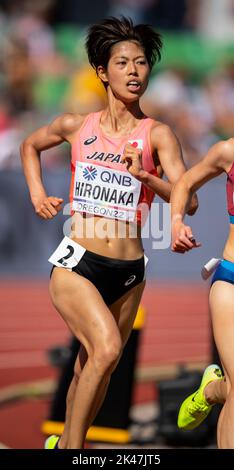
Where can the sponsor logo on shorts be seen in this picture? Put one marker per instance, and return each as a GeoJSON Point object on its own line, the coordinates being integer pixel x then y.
{"type": "Point", "coordinates": [130, 280]}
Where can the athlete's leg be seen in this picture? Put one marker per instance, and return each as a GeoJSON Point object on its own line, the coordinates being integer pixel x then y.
{"type": "Point", "coordinates": [99, 398]}
{"type": "Point", "coordinates": [124, 311]}
{"type": "Point", "coordinates": [216, 392]}
{"type": "Point", "coordinates": [90, 320]}
{"type": "Point", "coordinates": [222, 312]}
{"type": "Point", "coordinates": [81, 360]}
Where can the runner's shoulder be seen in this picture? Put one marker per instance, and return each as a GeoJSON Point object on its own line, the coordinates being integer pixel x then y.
{"type": "Point", "coordinates": [161, 132]}
{"type": "Point", "coordinates": [221, 154]}
{"type": "Point", "coordinates": [69, 123]}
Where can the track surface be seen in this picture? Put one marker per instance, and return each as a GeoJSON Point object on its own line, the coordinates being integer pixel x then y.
{"type": "Point", "coordinates": [176, 330]}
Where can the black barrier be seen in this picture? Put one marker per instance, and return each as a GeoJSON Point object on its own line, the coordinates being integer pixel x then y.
{"type": "Point", "coordinates": [112, 422]}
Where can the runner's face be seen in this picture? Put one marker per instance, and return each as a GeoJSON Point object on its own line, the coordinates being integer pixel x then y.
{"type": "Point", "coordinates": [128, 71]}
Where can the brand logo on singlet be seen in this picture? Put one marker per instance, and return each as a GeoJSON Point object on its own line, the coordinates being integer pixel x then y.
{"type": "Point", "coordinates": [90, 140]}
{"type": "Point", "coordinates": [90, 173]}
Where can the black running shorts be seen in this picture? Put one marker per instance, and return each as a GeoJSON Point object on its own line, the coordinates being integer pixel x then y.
{"type": "Point", "coordinates": [112, 277]}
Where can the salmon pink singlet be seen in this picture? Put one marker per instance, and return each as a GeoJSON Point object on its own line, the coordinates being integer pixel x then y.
{"type": "Point", "coordinates": [100, 183]}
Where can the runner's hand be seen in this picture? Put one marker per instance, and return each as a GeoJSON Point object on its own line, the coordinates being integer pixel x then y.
{"type": "Point", "coordinates": [47, 207]}
{"type": "Point", "coordinates": [182, 238]}
{"type": "Point", "coordinates": [132, 158]}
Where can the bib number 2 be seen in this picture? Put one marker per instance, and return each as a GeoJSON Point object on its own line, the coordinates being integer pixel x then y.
{"type": "Point", "coordinates": [67, 254]}
{"type": "Point", "coordinates": [71, 251]}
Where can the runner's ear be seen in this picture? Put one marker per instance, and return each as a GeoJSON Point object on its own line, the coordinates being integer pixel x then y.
{"type": "Point", "coordinates": [101, 71]}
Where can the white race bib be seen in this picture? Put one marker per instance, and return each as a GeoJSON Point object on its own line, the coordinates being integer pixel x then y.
{"type": "Point", "coordinates": [105, 192]}
{"type": "Point", "coordinates": [68, 254]}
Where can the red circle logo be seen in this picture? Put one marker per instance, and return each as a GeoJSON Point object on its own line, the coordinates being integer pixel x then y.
{"type": "Point", "coordinates": [134, 144]}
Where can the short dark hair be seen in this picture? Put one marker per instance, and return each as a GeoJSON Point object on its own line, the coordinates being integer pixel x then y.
{"type": "Point", "coordinates": [102, 36]}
